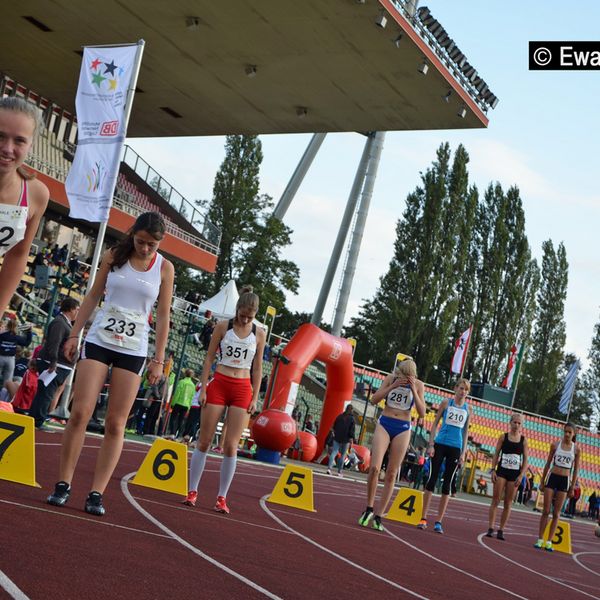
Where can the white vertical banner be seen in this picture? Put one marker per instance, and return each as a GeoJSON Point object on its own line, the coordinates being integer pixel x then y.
{"type": "Point", "coordinates": [104, 80]}
{"type": "Point", "coordinates": [460, 352]}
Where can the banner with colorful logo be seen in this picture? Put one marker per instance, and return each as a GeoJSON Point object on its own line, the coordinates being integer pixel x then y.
{"type": "Point", "coordinates": [461, 348]}
{"type": "Point", "coordinates": [104, 79]}
{"type": "Point", "coordinates": [514, 364]}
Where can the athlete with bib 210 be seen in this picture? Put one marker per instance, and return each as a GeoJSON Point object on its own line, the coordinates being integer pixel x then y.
{"type": "Point", "coordinates": [563, 465]}
{"type": "Point", "coordinates": [131, 277]}
{"type": "Point", "coordinates": [449, 445]}
{"type": "Point", "coordinates": [401, 390]}
{"type": "Point", "coordinates": [23, 199]}
{"type": "Point", "coordinates": [237, 345]}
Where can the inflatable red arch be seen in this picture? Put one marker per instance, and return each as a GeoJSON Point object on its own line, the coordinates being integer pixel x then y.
{"type": "Point", "coordinates": [307, 344]}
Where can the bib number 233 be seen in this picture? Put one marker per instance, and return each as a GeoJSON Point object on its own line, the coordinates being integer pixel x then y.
{"type": "Point", "coordinates": [123, 328]}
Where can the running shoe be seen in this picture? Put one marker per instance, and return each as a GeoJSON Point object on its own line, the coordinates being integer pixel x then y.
{"type": "Point", "coordinates": [93, 504]}
{"type": "Point", "coordinates": [190, 499]}
{"type": "Point", "coordinates": [437, 527]}
{"type": "Point", "coordinates": [340, 474]}
{"type": "Point", "coordinates": [221, 505]}
{"type": "Point", "coordinates": [490, 533]}
{"type": "Point", "coordinates": [422, 524]}
{"type": "Point", "coordinates": [539, 544]}
{"type": "Point", "coordinates": [328, 471]}
{"type": "Point", "coordinates": [62, 491]}
{"type": "Point", "coordinates": [377, 523]}
{"type": "Point", "coordinates": [549, 547]}
{"type": "Point", "coordinates": [365, 518]}
{"type": "Point", "coordinates": [500, 534]}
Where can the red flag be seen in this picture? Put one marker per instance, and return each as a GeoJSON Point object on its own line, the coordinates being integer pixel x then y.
{"type": "Point", "coordinates": [511, 369]}
{"type": "Point", "coordinates": [460, 351]}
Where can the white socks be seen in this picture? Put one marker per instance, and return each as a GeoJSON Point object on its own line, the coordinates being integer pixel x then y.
{"type": "Point", "coordinates": [196, 469]}
{"type": "Point", "coordinates": [227, 472]}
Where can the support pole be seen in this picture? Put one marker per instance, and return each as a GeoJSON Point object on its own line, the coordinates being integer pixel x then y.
{"type": "Point", "coordinates": [357, 235]}
{"type": "Point", "coordinates": [334, 259]}
{"type": "Point", "coordinates": [298, 175]}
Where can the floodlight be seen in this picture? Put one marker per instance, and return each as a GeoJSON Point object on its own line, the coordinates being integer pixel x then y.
{"type": "Point", "coordinates": [423, 68]}
{"type": "Point", "coordinates": [381, 21]}
{"type": "Point", "coordinates": [447, 96]}
{"type": "Point", "coordinates": [397, 40]}
{"type": "Point", "coordinates": [250, 70]}
{"type": "Point", "coordinates": [462, 112]}
{"type": "Point", "coordinates": [192, 23]}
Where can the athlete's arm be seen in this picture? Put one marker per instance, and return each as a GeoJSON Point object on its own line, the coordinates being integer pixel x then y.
{"type": "Point", "coordinates": [15, 260]}
{"type": "Point", "coordinates": [575, 473]}
{"type": "Point", "coordinates": [418, 388]}
{"type": "Point", "coordinates": [496, 456]}
{"type": "Point", "coordinates": [525, 461]}
{"type": "Point", "coordinates": [90, 302]}
{"type": "Point", "coordinates": [383, 390]}
{"type": "Point", "coordinates": [461, 460]}
{"type": "Point", "coordinates": [209, 359]}
{"type": "Point", "coordinates": [163, 309]}
{"type": "Point", "coordinates": [438, 416]}
{"type": "Point", "coordinates": [261, 337]}
{"type": "Point", "coordinates": [549, 460]}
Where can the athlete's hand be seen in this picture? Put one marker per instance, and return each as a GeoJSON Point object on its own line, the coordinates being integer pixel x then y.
{"type": "Point", "coordinates": [203, 396]}
{"type": "Point", "coordinates": [252, 407]}
{"type": "Point", "coordinates": [518, 482]}
{"type": "Point", "coordinates": [154, 372]}
{"type": "Point", "coordinates": [571, 492]}
{"type": "Point", "coordinates": [430, 451]}
{"type": "Point", "coordinates": [541, 487]}
{"type": "Point", "coordinates": [461, 460]}
{"type": "Point", "coordinates": [70, 348]}
{"type": "Point", "coordinates": [493, 476]}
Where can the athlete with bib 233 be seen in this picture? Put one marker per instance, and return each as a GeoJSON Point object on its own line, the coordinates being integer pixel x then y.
{"type": "Point", "coordinates": [23, 199]}
{"type": "Point", "coordinates": [563, 459]}
{"type": "Point", "coordinates": [401, 390]}
{"type": "Point", "coordinates": [450, 445]}
{"type": "Point", "coordinates": [238, 347]}
{"type": "Point", "coordinates": [509, 465]}
{"type": "Point", "coordinates": [132, 275]}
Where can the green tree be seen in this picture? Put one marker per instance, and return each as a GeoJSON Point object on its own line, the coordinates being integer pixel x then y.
{"type": "Point", "coordinates": [592, 375]}
{"type": "Point", "coordinates": [539, 380]}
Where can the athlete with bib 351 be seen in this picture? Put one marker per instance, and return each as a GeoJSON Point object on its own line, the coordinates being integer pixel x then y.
{"type": "Point", "coordinates": [23, 199]}
{"type": "Point", "coordinates": [449, 445]}
{"type": "Point", "coordinates": [133, 274]}
{"type": "Point", "coordinates": [401, 390]}
{"type": "Point", "coordinates": [563, 465]}
{"type": "Point", "coordinates": [238, 347]}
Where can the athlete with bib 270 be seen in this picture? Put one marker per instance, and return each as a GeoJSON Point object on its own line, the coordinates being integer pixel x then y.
{"type": "Point", "coordinates": [23, 199]}
{"type": "Point", "coordinates": [450, 445]}
{"type": "Point", "coordinates": [131, 277]}
{"type": "Point", "coordinates": [238, 347]}
{"type": "Point", "coordinates": [401, 390]}
{"type": "Point", "coordinates": [563, 465]}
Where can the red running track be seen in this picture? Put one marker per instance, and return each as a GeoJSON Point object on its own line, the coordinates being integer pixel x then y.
{"type": "Point", "coordinates": [149, 545]}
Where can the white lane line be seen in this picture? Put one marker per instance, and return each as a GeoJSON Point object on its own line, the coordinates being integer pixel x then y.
{"type": "Point", "coordinates": [95, 521]}
{"type": "Point", "coordinates": [11, 589]}
{"type": "Point", "coordinates": [125, 479]}
{"type": "Point", "coordinates": [335, 554]}
{"type": "Point", "coordinates": [453, 567]}
{"type": "Point", "coordinates": [211, 515]}
{"type": "Point", "coordinates": [582, 565]}
{"type": "Point", "coordinates": [514, 562]}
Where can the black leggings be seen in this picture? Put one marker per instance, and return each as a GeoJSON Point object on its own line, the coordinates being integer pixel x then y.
{"type": "Point", "coordinates": [452, 456]}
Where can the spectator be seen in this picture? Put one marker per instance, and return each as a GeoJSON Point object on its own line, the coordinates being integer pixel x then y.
{"type": "Point", "coordinates": [192, 422]}
{"type": "Point", "coordinates": [152, 403]}
{"type": "Point", "coordinates": [9, 340]}
{"type": "Point", "coordinates": [327, 449]}
{"type": "Point", "coordinates": [343, 435]}
{"type": "Point", "coordinates": [26, 391]}
{"type": "Point", "coordinates": [353, 460]}
{"type": "Point", "coordinates": [52, 359]}
{"type": "Point", "coordinates": [181, 402]}
{"type": "Point", "coordinates": [74, 265]}
{"type": "Point", "coordinates": [309, 424]}
{"type": "Point", "coordinates": [572, 504]}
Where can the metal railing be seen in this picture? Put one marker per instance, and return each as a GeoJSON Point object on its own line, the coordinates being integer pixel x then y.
{"type": "Point", "coordinates": [170, 195]}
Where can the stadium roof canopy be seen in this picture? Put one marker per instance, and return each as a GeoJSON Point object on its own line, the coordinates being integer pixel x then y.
{"type": "Point", "coordinates": [214, 67]}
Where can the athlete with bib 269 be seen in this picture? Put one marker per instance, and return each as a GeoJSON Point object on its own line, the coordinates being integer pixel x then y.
{"type": "Point", "coordinates": [509, 466]}
{"type": "Point", "coordinates": [23, 199]}
{"type": "Point", "coordinates": [563, 465]}
{"type": "Point", "coordinates": [450, 445]}
{"type": "Point", "coordinates": [131, 277]}
{"type": "Point", "coordinates": [238, 347]}
{"type": "Point", "coordinates": [401, 390]}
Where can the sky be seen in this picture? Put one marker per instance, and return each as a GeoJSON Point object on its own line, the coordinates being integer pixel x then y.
{"type": "Point", "coordinates": [543, 137]}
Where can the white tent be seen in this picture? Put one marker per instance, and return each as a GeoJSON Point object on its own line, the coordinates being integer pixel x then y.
{"type": "Point", "coordinates": [222, 304]}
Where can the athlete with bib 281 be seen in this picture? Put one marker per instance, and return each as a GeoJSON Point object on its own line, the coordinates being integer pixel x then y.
{"type": "Point", "coordinates": [450, 445]}
{"type": "Point", "coordinates": [563, 465]}
{"type": "Point", "coordinates": [131, 277]}
{"type": "Point", "coordinates": [401, 390]}
{"type": "Point", "coordinates": [237, 345]}
{"type": "Point", "coordinates": [509, 466]}
{"type": "Point", "coordinates": [23, 199]}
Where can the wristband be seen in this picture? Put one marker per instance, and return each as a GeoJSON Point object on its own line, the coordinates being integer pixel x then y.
{"type": "Point", "coordinates": [73, 337]}
{"type": "Point", "coordinates": [158, 362]}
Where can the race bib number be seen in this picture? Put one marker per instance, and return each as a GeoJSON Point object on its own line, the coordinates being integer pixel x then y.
{"type": "Point", "coordinates": [234, 353]}
{"type": "Point", "coordinates": [400, 398]}
{"type": "Point", "coordinates": [122, 327]}
{"type": "Point", "coordinates": [13, 222]}
{"type": "Point", "coordinates": [457, 417]}
{"type": "Point", "coordinates": [511, 461]}
{"type": "Point", "coordinates": [564, 461]}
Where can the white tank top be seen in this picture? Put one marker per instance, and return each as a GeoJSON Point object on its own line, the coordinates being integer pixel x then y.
{"type": "Point", "coordinates": [564, 458]}
{"type": "Point", "coordinates": [237, 352]}
{"type": "Point", "coordinates": [400, 398]}
{"type": "Point", "coordinates": [121, 324]}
